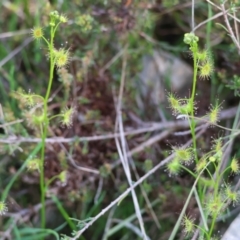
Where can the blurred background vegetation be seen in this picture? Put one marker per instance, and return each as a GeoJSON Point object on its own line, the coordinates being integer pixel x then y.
{"type": "Point", "coordinates": [99, 34]}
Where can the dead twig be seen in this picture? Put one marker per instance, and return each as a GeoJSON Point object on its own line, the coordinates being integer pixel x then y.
{"type": "Point", "coordinates": [174, 125]}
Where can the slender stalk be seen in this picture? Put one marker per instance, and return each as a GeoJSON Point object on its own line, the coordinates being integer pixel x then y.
{"type": "Point", "coordinates": [213, 224]}
{"type": "Point", "coordinates": [44, 134]}
{"type": "Point", "coordinates": [193, 123]}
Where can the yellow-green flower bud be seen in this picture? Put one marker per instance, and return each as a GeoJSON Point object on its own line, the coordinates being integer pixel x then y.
{"type": "Point", "coordinates": [190, 38]}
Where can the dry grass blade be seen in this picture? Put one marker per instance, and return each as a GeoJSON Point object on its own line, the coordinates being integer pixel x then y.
{"type": "Point", "coordinates": [122, 147]}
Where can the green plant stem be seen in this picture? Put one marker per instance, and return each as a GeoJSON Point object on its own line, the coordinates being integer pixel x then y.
{"type": "Point", "coordinates": [216, 187]}
{"type": "Point", "coordinates": [189, 171]}
{"type": "Point", "coordinates": [51, 180]}
{"type": "Point", "coordinates": [17, 174]}
{"type": "Point", "coordinates": [213, 224]}
{"type": "Point", "coordinates": [223, 172]}
{"type": "Point", "coordinates": [178, 223]}
{"type": "Point", "coordinates": [42, 183]}
{"type": "Point", "coordinates": [210, 174]}
{"type": "Point", "coordinates": [217, 181]}
{"type": "Point", "coordinates": [64, 213]}
{"type": "Point", "coordinates": [44, 135]}
{"type": "Point", "coordinates": [193, 124]}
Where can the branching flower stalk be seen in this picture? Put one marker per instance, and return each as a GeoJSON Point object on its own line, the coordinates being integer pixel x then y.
{"type": "Point", "coordinates": [212, 195]}
{"type": "Point", "coordinates": [193, 124]}
{"type": "Point", "coordinates": [191, 39]}
{"type": "Point", "coordinates": [45, 128]}
{"type": "Point", "coordinates": [60, 59]}
{"type": "Point", "coordinates": [185, 108]}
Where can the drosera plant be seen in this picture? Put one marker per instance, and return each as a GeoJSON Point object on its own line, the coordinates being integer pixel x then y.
{"type": "Point", "coordinates": [212, 193]}
{"type": "Point", "coordinates": [203, 67]}
{"type": "Point", "coordinates": [216, 200]}
{"type": "Point", "coordinates": [35, 107]}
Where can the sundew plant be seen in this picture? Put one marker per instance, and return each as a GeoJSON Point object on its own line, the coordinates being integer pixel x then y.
{"type": "Point", "coordinates": [212, 193]}
{"type": "Point", "coordinates": [35, 107]}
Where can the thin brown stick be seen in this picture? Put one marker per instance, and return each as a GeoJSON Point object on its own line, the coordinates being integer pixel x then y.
{"type": "Point", "coordinates": [174, 125]}
{"type": "Point", "coordinates": [231, 33]}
